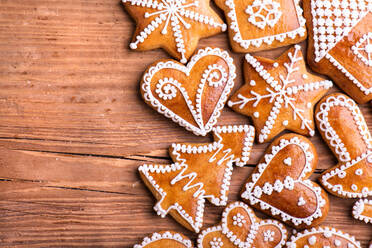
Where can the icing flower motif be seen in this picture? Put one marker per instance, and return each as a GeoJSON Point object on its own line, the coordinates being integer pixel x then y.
{"type": "Point", "coordinates": [175, 25]}
{"type": "Point", "coordinates": [269, 236]}
{"type": "Point", "coordinates": [238, 220]}
{"type": "Point", "coordinates": [264, 12]}
{"type": "Point", "coordinates": [216, 243]}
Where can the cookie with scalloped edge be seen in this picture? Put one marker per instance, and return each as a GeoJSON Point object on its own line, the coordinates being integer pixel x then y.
{"type": "Point", "coordinates": [192, 95]}
{"type": "Point", "coordinates": [322, 237]}
{"type": "Point", "coordinates": [174, 25]}
{"type": "Point", "coordinates": [343, 128]}
{"type": "Point", "coordinates": [279, 185]}
{"type": "Point", "coordinates": [165, 239]}
{"type": "Point", "coordinates": [339, 44]}
{"type": "Point", "coordinates": [240, 227]}
{"type": "Point", "coordinates": [362, 210]}
{"type": "Point", "coordinates": [256, 25]}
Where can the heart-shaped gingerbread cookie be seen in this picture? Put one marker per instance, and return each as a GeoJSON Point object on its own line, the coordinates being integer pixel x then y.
{"type": "Point", "coordinates": [279, 185]}
{"type": "Point", "coordinates": [342, 126]}
{"type": "Point", "coordinates": [241, 228]}
{"type": "Point", "coordinates": [192, 95]}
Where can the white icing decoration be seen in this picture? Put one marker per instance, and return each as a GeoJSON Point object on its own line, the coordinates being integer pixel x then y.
{"type": "Point", "coordinates": [359, 172]}
{"type": "Point", "coordinates": [339, 147]}
{"type": "Point", "coordinates": [252, 83]}
{"type": "Point", "coordinates": [312, 240]}
{"type": "Point", "coordinates": [181, 166]}
{"type": "Point", "coordinates": [252, 232]}
{"type": "Point", "coordinates": [194, 108]}
{"type": "Point", "coordinates": [216, 243]}
{"type": "Point", "coordinates": [280, 93]}
{"type": "Point", "coordinates": [264, 12]}
{"type": "Point", "coordinates": [237, 35]}
{"type": "Point", "coordinates": [173, 13]}
{"type": "Point", "coordinates": [251, 187]}
{"type": "Point", "coordinates": [256, 114]}
{"type": "Point", "coordinates": [276, 65]}
{"type": "Point", "coordinates": [301, 201]}
{"type": "Point", "coordinates": [285, 122]}
{"type": "Point", "coordinates": [311, 233]}
{"type": "Point", "coordinates": [215, 75]}
{"type": "Point", "coordinates": [167, 236]}
{"type": "Point", "coordinates": [288, 161]}
{"type": "Point", "coordinates": [358, 210]}
{"type": "Point", "coordinates": [269, 236]}
{"type": "Point", "coordinates": [354, 187]}
{"type": "Point", "coordinates": [305, 76]}
{"type": "Point", "coordinates": [337, 242]}
{"type": "Point", "coordinates": [363, 49]}
{"type": "Point", "coordinates": [238, 220]}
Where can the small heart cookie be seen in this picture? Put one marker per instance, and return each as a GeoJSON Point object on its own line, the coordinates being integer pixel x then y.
{"type": "Point", "coordinates": [342, 126]}
{"type": "Point", "coordinates": [165, 239]}
{"type": "Point", "coordinates": [241, 228]}
{"type": "Point", "coordinates": [192, 95]}
{"type": "Point", "coordinates": [322, 237]}
{"type": "Point", "coordinates": [284, 191]}
{"type": "Point", "coordinates": [362, 210]}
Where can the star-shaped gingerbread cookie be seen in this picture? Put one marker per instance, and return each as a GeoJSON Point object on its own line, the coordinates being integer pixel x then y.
{"type": "Point", "coordinates": [175, 25]}
{"type": "Point", "coordinates": [279, 94]}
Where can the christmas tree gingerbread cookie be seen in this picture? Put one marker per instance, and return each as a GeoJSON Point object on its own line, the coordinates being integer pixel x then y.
{"type": "Point", "coordinates": [279, 94]}
{"type": "Point", "coordinates": [241, 228]}
{"type": "Point", "coordinates": [174, 25]}
{"type": "Point", "coordinates": [279, 185]}
{"type": "Point", "coordinates": [193, 95]}
{"type": "Point", "coordinates": [165, 239]}
{"type": "Point", "coordinates": [256, 25]}
{"type": "Point", "coordinates": [199, 172]}
{"type": "Point", "coordinates": [343, 128]}
{"type": "Point", "coordinates": [340, 43]}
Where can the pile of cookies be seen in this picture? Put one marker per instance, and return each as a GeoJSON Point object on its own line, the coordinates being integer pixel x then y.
{"type": "Point", "coordinates": [278, 95]}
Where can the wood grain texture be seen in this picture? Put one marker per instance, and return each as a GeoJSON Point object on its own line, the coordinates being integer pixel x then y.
{"type": "Point", "coordinates": [75, 130]}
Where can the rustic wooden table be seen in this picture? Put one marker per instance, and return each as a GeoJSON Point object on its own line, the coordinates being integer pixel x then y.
{"type": "Point", "coordinates": [74, 130]}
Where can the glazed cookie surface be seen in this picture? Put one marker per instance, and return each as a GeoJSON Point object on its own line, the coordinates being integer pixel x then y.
{"type": "Point", "coordinates": [241, 228]}
{"type": "Point", "coordinates": [322, 237]}
{"type": "Point", "coordinates": [193, 95]}
{"type": "Point", "coordinates": [362, 210]}
{"type": "Point", "coordinates": [340, 36]}
{"type": "Point", "coordinates": [200, 171]}
{"type": "Point", "coordinates": [165, 239]}
{"type": "Point", "coordinates": [279, 185]}
{"type": "Point", "coordinates": [175, 25]}
{"type": "Point", "coordinates": [279, 94]}
{"type": "Point", "coordinates": [256, 25]}
{"type": "Point", "coordinates": [343, 128]}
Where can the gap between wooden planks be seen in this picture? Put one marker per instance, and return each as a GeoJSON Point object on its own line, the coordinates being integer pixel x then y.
{"type": "Point", "coordinates": [77, 128]}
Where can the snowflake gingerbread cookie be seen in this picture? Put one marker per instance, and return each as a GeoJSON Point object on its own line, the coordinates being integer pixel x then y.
{"type": "Point", "coordinates": [323, 237]}
{"type": "Point", "coordinates": [193, 95]}
{"type": "Point", "coordinates": [279, 185]}
{"type": "Point", "coordinates": [175, 25]}
{"type": "Point", "coordinates": [200, 171]}
{"type": "Point", "coordinates": [241, 228]}
{"type": "Point", "coordinates": [279, 94]}
{"type": "Point", "coordinates": [256, 25]}
{"type": "Point", "coordinates": [342, 126]}
{"type": "Point", "coordinates": [362, 210]}
{"type": "Point", "coordinates": [165, 239]}
{"type": "Point", "coordinates": [340, 43]}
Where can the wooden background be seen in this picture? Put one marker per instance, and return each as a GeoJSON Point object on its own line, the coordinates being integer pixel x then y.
{"type": "Point", "coordinates": [74, 130]}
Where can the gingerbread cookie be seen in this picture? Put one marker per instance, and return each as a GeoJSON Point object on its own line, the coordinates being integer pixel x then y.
{"type": "Point", "coordinates": [322, 237]}
{"type": "Point", "coordinates": [192, 95]}
{"type": "Point", "coordinates": [344, 129]}
{"type": "Point", "coordinates": [279, 184]}
{"type": "Point", "coordinates": [175, 25]}
{"type": "Point", "coordinates": [165, 239]}
{"type": "Point", "coordinates": [241, 228]}
{"type": "Point", "coordinates": [279, 94]}
{"type": "Point", "coordinates": [362, 210]}
{"type": "Point", "coordinates": [340, 36]}
{"type": "Point", "coordinates": [200, 171]}
{"type": "Point", "coordinates": [256, 25]}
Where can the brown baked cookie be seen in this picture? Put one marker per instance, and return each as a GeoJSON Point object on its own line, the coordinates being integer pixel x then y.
{"type": "Point", "coordinates": [199, 172]}
{"type": "Point", "coordinates": [192, 95]}
{"type": "Point", "coordinates": [322, 237]}
{"type": "Point", "coordinates": [362, 210]}
{"type": "Point", "coordinates": [340, 43]}
{"type": "Point", "coordinates": [344, 129]}
{"type": "Point", "coordinates": [279, 185]}
{"type": "Point", "coordinates": [256, 25]}
{"type": "Point", "coordinates": [279, 94]}
{"type": "Point", "coordinates": [175, 25]}
{"type": "Point", "coordinates": [165, 239]}
{"type": "Point", "coordinates": [241, 228]}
